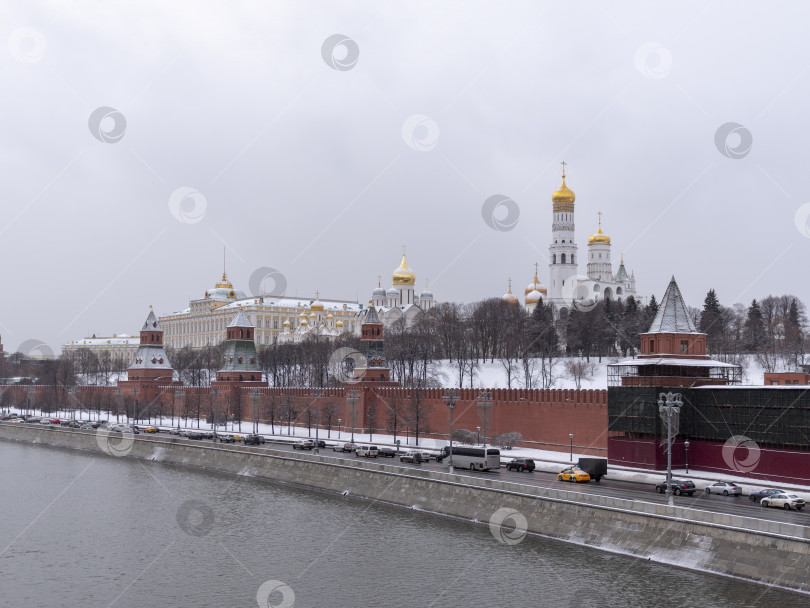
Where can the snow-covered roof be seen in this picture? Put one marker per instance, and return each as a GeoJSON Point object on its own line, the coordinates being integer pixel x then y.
{"type": "Point", "coordinates": [674, 361]}
{"type": "Point", "coordinates": [240, 320]}
{"type": "Point", "coordinates": [122, 340]}
{"type": "Point", "coordinates": [151, 323]}
{"type": "Point", "coordinates": [150, 356]}
{"type": "Point", "coordinates": [672, 316]}
{"type": "Point", "coordinates": [371, 316]}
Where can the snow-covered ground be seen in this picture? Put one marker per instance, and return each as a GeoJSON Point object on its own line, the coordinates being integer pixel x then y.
{"type": "Point", "coordinates": [545, 460]}
{"type": "Point", "coordinates": [493, 374]}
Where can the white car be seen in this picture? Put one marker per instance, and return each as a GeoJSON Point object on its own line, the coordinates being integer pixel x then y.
{"type": "Point", "coordinates": [726, 488]}
{"type": "Point", "coordinates": [786, 501]}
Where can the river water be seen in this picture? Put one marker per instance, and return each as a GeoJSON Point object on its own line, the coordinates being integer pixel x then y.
{"type": "Point", "coordinates": [79, 530]}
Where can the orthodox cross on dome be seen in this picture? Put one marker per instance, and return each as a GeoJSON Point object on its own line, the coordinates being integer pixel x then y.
{"type": "Point", "coordinates": [510, 284]}
{"type": "Point", "coordinates": [563, 166]}
{"type": "Point", "coordinates": [317, 295]}
{"type": "Point", "coordinates": [379, 280]}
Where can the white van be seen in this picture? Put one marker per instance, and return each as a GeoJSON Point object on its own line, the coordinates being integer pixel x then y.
{"type": "Point", "coordinates": [369, 451]}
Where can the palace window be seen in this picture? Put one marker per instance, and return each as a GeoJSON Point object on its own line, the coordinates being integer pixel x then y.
{"type": "Point", "coordinates": [684, 346]}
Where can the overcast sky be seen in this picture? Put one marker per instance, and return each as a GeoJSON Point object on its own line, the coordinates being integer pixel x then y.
{"type": "Point", "coordinates": [139, 139]}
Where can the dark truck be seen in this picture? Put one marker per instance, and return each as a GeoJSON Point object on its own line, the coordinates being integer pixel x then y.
{"type": "Point", "coordinates": [595, 467]}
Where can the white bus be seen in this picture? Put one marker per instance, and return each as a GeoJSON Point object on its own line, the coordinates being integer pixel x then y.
{"type": "Point", "coordinates": [474, 459]}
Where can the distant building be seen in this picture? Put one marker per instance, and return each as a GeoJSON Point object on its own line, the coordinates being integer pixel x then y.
{"type": "Point", "coordinates": [205, 322]}
{"type": "Point", "coordinates": [566, 287]}
{"type": "Point", "coordinates": [401, 301]}
{"type": "Point", "coordinates": [120, 347]}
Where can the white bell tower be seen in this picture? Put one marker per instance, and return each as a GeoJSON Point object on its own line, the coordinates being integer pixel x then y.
{"type": "Point", "coordinates": [563, 249]}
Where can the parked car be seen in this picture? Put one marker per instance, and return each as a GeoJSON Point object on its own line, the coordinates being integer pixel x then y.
{"type": "Point", "coordinates": [87, 426]}
{"type": "Point", "coordinates": [426, 456]}
{"type": "Point", "coordinates": [386, 452]}
{"type": "Point", "coordinates": [369, 451]}
{"type": "Point", "coordinates": [56, 421]}
{"type": "Point", "coordinates": [226, 438]}
{"type": "Point", "coordinates": [726, 488]}
{"type": "Point", "coordinates": [345, 447]}
{"type": "Point", "coordinates": [253, 439]}
{"type": "Point", "coordinates": [573, 474]}
{"type": "Point", "coordinates": [304, 444]}
{"type": "Point", "coordinates": [174, 431]}
{"type": "Point", "coordinates": [520, 465]}
{"type": "Point", "coordinates": [151, 429]}
{"type": "Point", "coordinates": [194, 435]}
{"type": "Point", "coordinates": [784, 500]}
{"type": "Point", "coordinates": [411, 456]}
{"type": "Point", "coordinates": [238, 437]}
{"type": "Point", "coordinates": [759, 495]}
{"type": "Point", "coordinates": [679, 486]}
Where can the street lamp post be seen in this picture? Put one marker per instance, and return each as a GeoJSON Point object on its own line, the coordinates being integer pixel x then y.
{"type": "Point", "coordinates": [318, 394]}
{"type": "Point", "coordinates": [215, 392]}
{"type": "Point", "coordinates": [135, 406]}
{"type": "Point", "coordinates": [254, 397]}
{"type": "Point", "coordinates": [72, 399]}
{"type": "Point", "coordinates": [181, 396]}
{"type": "Point", "coordinates": [669, 404]}
{"type": "Point", "coordinates": [353, 398]}
{"type": "Point", "coordinates": [339, 421]}
{"type": "Point", "coordinates": [477, 435]}
{"type": "Point", "coordinates": [450, 399]}
{"type": "Point", "coordinates": [571, 447]}
{"type": "Point", "coordinates": [686, 447]}
{"type": "Point", "coordinates": [484, 405]}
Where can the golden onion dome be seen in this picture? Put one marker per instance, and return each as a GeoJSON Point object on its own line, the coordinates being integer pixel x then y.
{"type": "Point", "coordinates": [304, 322]}
{"type": "Point", "coordinates": [533, 297]}
{"type": "Point", "coordinates": [599, 236]}
{"type": "Point", "coordinates": [286, 324]}
{"type": "Point", "coordinates": [339, 323]}
{"type": "Point", "coordinates": [564, 194]}
{"type": "Point", "coordinates": [509, 297]}
{"type": "Point", "coordinates": [317, 304]}
{"type": "Point", "coordinates": [404, 275]}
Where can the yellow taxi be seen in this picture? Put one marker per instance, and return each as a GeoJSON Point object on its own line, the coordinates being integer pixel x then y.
{"type": "Point", "coordinates": [238, 437]}
{"type": "Point", "coordinates": [573, 474]}
{"type": "Point", "coordinates": [151, 429]}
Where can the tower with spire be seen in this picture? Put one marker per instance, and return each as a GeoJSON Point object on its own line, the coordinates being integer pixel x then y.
{"type": "Point", "coordinates": [563, 249]}
{"type": "Point", "coordinates": [150, 365]}
{"type": "Point", "coordinates": [239, 361]}
{"type": "Point", "coordinates": [375, 368]}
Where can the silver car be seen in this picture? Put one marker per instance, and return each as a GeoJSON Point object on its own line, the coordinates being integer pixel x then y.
{"type": "Point", "coordinates": [786, 501]}
{"type": "Point", "coordinates": [726, 488]}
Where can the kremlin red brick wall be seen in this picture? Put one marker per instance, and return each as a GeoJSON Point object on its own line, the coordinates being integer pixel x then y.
{"type": "Point", "coordinates": [544, 417]}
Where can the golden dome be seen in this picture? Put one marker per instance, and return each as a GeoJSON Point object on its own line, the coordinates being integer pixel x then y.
{"type": "Point", "coordinates": [533, 297]}
{"type": "Point", "coordinates": [599, 236]}
{"type": "Point", "coordinates": [304, 322]}
{"type": "Point", "coordinates": [286, 324]}
{"type": "Point", "coordinates": [404, 275]}
{"type": "Point", "coordinates": [564, 194]}
{"type": "Point", "coordinates": [535, 284]}
{"type": "Point", "coordinates": [317, 305]}
{"type": "Point", "coordinates": [224, 283]}
{"type": "Point", "coordinates": [509, 297]}
{"type": "Point", "coordinates": [339, 323]}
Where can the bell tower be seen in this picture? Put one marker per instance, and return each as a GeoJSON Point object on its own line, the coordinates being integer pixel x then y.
{"type": "Point", "coordinates": [563, 249]}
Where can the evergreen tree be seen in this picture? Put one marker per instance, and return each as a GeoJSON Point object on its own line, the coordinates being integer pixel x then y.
{"type": "Point", "coordinates": [754, 334]}
{"type": "Point", "coordinates": [649, 313]}
{"type": "Point", "coordinates": [712, 321]}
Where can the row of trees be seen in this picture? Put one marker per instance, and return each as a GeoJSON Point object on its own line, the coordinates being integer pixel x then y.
{"type": "Point", "coordinates": [530, 347]}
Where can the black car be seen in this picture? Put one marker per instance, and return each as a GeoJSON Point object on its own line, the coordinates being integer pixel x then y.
{"type": "Point", "coordinates": [386, 452]}
{"type": "Point", "coordinates": [253, 439]}
{"type": "Point", "coordinates": [226, 439]}
{"type": "Point", "coordinates": [679, 486]}
{"type": "Point", "coordinates": [195, 435]}
{"type": "Point", "coordinates": [758, 496]}
{"type": "Point", "coordinates": [520, 465]}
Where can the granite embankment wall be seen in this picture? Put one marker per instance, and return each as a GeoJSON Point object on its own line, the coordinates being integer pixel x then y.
{"type": "Point", "coordinates": [766, 552]}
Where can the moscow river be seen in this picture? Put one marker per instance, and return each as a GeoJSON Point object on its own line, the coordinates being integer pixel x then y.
{"type": "Point", "coordinates": [79, 530]}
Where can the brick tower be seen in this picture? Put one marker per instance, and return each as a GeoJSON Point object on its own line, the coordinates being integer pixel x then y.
{"type": "Point", "coordinates": [239, 360]}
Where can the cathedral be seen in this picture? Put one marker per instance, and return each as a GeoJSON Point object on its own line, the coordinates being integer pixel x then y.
{"type": "Point", "coordinates": [401, 301]}
{"type": "Point", "coordinates": [567, 289]}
